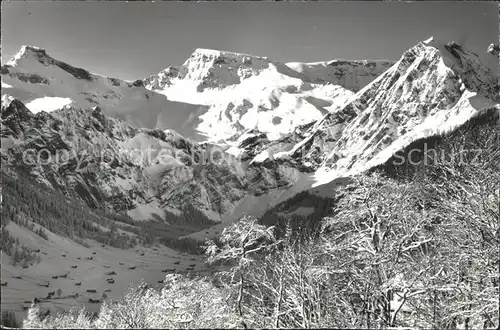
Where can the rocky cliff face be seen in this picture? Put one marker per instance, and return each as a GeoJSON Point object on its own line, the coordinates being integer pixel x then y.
{"type": "Point", "coordinates": [111, 165]}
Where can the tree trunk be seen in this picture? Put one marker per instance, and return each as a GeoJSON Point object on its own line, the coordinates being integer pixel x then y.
{"type": "Point", "coordinates": [280, 299]}
{"type": "Point", "coordinates": [240, 298]}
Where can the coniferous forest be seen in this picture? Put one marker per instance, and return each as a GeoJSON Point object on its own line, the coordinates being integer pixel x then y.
{"type": "Point", "coordinates": [37, 208]}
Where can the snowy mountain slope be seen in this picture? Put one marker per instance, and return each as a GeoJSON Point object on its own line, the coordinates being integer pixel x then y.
{"type": "Point", "coordinates": [439, 87]}
{"type": "Point", "coordinates": [435, 87]}
{"type": "Point", "coordinates": [141, 188]}
{"type": "Point", "coordinates": [246, 92]}
{"type": "Point", "coordinates": [44, 83]}
{"type": "Point", "coordinates": [352, 75]}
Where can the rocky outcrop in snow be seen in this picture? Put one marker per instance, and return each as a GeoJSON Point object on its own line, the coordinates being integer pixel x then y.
{"type": "Point", "coordinates": [162, 79]}
{"type": "Point", "coordinates": [14, 115]}
{"type": "Point", "coordinates": [494, 49]}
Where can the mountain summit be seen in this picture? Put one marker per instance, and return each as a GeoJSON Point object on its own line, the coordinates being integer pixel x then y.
{"type": "Point", "coordinates": [434, 88]}
{"type": "Point", "coordinates": [46, 84]}
{"type": "Point", "coordinates": [245, 92]}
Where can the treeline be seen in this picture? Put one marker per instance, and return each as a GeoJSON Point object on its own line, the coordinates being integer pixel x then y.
{"type": "Point", "coordinates": [187, 245]}
{"type": "Point", "coordinates": [11, 215]}
{"type": "Point", "coordinates": [62, 215]}
{"type": "Point", "coordinates": [168, 231]}
{"type": "Point", "coordinates": [190, 216]}
{"type": "Point", "coordinates": [285, 216]}
{"type": "Point", "coordinates": [24, 199]}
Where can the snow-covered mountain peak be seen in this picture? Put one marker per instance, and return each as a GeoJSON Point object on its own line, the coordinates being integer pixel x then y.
{"type": "Point", "coordinates": [27, 51]}
{"type": "Point", "coordinates": [213, 95]}
{"type": "Point", "coordinates": [44, 83]}
{"type": "Point", "coordinates": [245, 92]}
{"type": "Point", "coordinates": [209, 69]}
{"type": "Point", "coordinates": [214, 69]}
{"type": "Point", "coordinates": [431, 40]}
{"type": "Point", "coordinates": [33, 60]}
{"type": "Point", "coordinates": [433, 88]}
{"type": "Point", "coordinates": [7, 100]}
{"type": "Point", "coordinates": [34, 65]}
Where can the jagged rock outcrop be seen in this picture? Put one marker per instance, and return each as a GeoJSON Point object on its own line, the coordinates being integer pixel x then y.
{"type": "Point", "coordinates": [494, 49]}
{"type": "Point", "coordinates": [14, 115]}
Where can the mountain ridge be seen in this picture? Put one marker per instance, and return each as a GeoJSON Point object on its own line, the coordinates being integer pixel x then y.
{"type": "Point", "coordinates": [280, 97]}
{"type": "Point", "coordinates": [398, 107]}
{"type": "Point", "coordinates": [351, 132]}
{"type": "Point", "coordinates": [42, 82]}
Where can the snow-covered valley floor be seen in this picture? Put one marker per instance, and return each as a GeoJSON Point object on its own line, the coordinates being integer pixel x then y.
{"type": "Point", "coordinates": [59, 256]}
